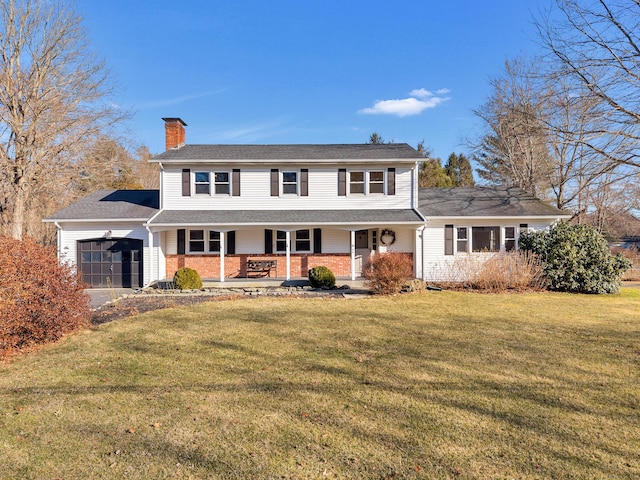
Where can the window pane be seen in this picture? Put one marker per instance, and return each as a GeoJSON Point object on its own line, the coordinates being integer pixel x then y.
{"type": "Point", "coordinates": [485, 239]}
{"type": "Point", "coordinates": [509, 245]}
{"type": "Point", "coordinates": [289, 177]}
{"type": "Point", "coordinates": [196, 235]}
{"type": "Point", "coordinates": [222, 177]}
{"type": "Point", "coordinates": [376, 188]}
{"type": "Point", "coordinates": [202, 177]}
{"type": "Point", "coordinates": [356, 176]}
{"type": "Point", "coordinates": [302, 235]}
{"type": "Point", "coordinates": [196, 246]}
{"type": "Point", "coordinates": [289, 188]}
{"type": "Point", "coordinates": [222, 189]}
{"type": "Point", "coordinates": [281, 235]}
{"type": "Point", "coordinates": [202, 188]}
{"type": "Point", "coordinates": [462, 246]}
{"type": "Point", "coordinates": [510, 232]}
{"type": "Point", "coordinates": [462, 233]}
{"type": "Point", "coordinates": [376, 176]}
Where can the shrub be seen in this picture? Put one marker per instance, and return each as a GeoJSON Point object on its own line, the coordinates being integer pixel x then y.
{"type": "Point", "coordinates": [321, 277]}
{"type": "Point", "coordinates": [510, 271]}
{"type": "Point", "coordinates": [576, 258]}
{"type": "Point", "coordinates": [633, 254]}
{"type": "Point", "coordinates": [387, 273]}
{"type": "Point", "coordinates": [187, 279]}
{"type": "Point", "coordinates": [40, 300]}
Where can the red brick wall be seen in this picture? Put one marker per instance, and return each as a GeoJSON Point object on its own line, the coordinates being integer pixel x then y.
{"type": "Point", "coordinates": [174, 134]}
{"type": "Point", "coordinates": [208, 266]}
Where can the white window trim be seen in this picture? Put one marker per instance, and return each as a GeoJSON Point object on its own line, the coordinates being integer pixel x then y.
{"type": "Point", "coordinates": [503, 239]}
{"type": "Point", "coordinates": [292, 238]}
{"type": "Point", "coordinates": [229, 182]}
{"type": "Point", "coordinates": [195, 183]}
{"type": "Point", "coordinates": [367, 181]}
{"type": "Point", "coordinates": [282, 183]}
{"type": "Point", "coordinates": [206, 236]}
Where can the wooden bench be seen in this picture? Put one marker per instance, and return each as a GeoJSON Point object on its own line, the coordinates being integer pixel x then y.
{"type": "Point", "coordinates": [261, 267]}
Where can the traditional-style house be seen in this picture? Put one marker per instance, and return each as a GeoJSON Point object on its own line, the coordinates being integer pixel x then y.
{"type": "Point", "coordinates": [278, 210]}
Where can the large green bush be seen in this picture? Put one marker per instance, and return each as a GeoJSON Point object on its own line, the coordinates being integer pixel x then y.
{"type": "Point", "coordinates": [187, 279]}
{"type": "Point", "coordinates": [40, 299]}
{"type": "Point", "coordinates": [576, 258]}
{"type": "Point", "coordinates": [321, 277]}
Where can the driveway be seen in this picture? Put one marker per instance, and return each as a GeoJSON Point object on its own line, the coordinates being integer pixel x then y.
{"type": "Point", "coordinates": [100, 296]}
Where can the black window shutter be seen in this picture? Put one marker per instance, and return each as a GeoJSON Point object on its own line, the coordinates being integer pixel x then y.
{"type": "Point", "coordinates": [231, 242]}
{"type": "Point", "coordinates": [342, 182]}
{"type": "Point", "coordinates": [268, 241]}
{"type": "Point", "coordinates": [448, 239]}
{"type": "Point", "coordinates": [181, 241]}
{"type": "Point", "coordinates": [275, 181]}
{"type": "Point", "coordinates": [317, 240]}
{"type": "Point", "coordinates": [235, 182]}
{"type": "Point", "coordinates": [391, 181]}
{"type": "Point", "coordinates": [186, 182]}
{"type": "Point", "coordinates": [304, 182]}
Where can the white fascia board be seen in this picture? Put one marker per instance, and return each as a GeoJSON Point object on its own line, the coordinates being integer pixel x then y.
{"type": "Point", "coordinates": [502, 218]}
{"type": "Point", "coordinates": [289, 224]}
{"type": "Point", "coordinates": [299, 161]}
{"type": "Point", "coordinates": [95, 220]}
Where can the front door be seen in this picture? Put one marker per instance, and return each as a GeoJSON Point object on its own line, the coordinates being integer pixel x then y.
{"type": "Point", "coordinates": [362, 249]}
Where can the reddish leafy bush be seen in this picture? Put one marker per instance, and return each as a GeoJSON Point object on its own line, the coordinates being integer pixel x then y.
{"type": "Point", "coordinates": [40, 300]}
{"type": "Point", "coordinates": [387, 273]}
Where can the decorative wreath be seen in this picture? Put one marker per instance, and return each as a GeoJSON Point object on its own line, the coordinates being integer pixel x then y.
{"type": "Point", "coordinates": [385, 236]}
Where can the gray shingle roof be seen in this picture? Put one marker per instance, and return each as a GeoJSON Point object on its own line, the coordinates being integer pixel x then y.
{"type": "Point", "coordinates": [284, 217]}
{"type": "Point", "coordinates": [483, 202]}
{"type": "Point", "coordinates": [112, 204]}
{"type": "Point", "coordinates": [387, 151]}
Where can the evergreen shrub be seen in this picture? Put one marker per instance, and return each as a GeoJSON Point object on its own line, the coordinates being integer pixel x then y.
{"type": "Point", "coordinates": [187, 279]}
{"type": "Point", "coordinates": [576, 258]}
{"type": "Point", "coordinates": [321, 277]}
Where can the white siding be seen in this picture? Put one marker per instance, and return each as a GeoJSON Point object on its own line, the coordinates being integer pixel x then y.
{"type": "Point", "coordinates": [440, 267]}
{"type": "Point", "coordinates": [256, 192]}
{"type": "Point", "coordinates": [72, 233]}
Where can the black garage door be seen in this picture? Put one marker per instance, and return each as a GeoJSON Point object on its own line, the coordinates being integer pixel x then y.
{"type": "Point", "coordinates": [111, 262]}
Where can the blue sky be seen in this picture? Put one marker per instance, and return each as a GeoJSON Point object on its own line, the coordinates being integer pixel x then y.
{"type": "Point", "coordinates": [308, 71]}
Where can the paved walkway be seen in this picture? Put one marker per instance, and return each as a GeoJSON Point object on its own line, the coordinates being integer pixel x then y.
{"type": "Point", "coordinates": [100, 296]}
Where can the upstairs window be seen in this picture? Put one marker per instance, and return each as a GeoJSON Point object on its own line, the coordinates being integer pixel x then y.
{"type": "Point", "coordinates": [222, 185]}
{"type": "Point", "coordinates": [203, 182]}
{"type": "Point", "coordinates": [356, 182]}
{"type": "Point", "coordinates": [290, 183]}
{"type": "Point", "coordinates": [376, 182]}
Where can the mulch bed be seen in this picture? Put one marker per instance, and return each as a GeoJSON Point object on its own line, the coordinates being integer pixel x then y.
{"type": "Point", "coordinates": [127, 307]}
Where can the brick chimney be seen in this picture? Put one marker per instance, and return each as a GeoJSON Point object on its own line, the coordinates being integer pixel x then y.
{"type": "Point", "coordinates": [174, 132]}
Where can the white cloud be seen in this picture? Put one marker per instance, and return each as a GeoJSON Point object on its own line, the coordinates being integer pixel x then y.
{"type": "Point", "coordinates": [168, 102]}
{"type": "Point", "coordinates": [420, 99]}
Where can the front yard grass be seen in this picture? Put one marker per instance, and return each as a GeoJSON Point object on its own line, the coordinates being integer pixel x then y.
{"type": "Point", "coordinates": [429, 385]}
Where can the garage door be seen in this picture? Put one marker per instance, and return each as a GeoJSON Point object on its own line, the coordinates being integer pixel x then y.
{"type": "Point", "coordinates": [111, 262]}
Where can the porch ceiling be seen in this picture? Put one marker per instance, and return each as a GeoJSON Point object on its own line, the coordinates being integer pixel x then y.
{"type": "Point", "coordinates": [286, 217]}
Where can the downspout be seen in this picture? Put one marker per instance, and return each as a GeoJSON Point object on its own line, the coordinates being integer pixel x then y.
{"type": "Point", "coordinates": [59, 240]}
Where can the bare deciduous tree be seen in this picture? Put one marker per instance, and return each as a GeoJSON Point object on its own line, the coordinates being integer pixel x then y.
{"type": "Point", "coordinates": [597, 46]}
{"type": "Point", "coordinates": [53, 100]}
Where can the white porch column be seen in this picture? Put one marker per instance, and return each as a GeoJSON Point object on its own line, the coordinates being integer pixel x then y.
{"type": "Point", "coordinates": [149, 268]}
{"type": "Point", "coordinates": [288, 251]}
{"type": "Point", "coordinates": [353, 254]}
{"type": "Point", "coordinates": [222, 235]}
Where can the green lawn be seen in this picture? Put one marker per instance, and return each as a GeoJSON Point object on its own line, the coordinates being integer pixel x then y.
{"type": "Point", "coordinates": [430, 385]}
